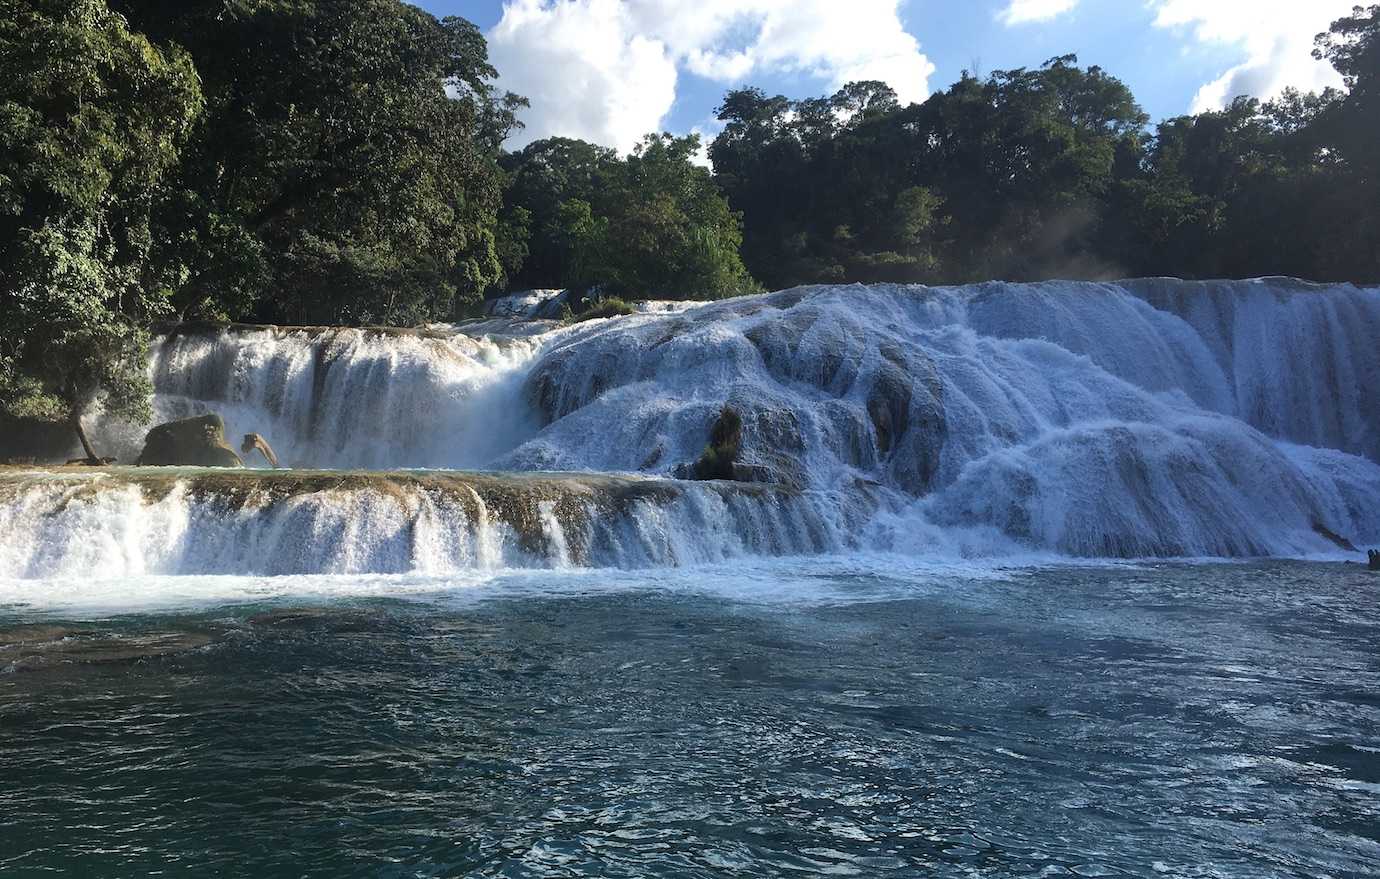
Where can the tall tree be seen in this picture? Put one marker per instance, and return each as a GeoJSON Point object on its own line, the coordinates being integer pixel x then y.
{"type": "Point", "coordinates": [1351, 129]}
{"type": "Point", "coordinates": [1008, 176]}
{"type": "Point", "coordinates": [542, 177]}
{"type": "Point", "coordinates": [91, 119]}
{"type": "Point", "coordinates": [651, 224]}
{"type": "Point", "coordinates": [346, 171]}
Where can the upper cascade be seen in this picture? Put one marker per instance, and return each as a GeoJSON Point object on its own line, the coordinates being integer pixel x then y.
{"type": "Point", "coordinates": [1143, 418]}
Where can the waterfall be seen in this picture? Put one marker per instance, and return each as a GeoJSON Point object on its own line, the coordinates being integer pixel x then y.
{"type": "Point", "coordinates": [344, 398]}
{"type": "Point", "coordinates": [126, 522]}
{"type": "Point", "coordinates": [1143, 418]}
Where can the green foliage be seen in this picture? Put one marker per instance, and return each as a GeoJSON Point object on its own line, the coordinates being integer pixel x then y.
{"type": "Point", "coordinates": [610, 307]}
{"type": "Point", "coordinates": [548, 180]}
{"type": "Point", "coordinates": [91, 119]}
{"type": "Point", "coordinates": [725, 445]}
{"type": "Point", "coordinates": [334, 179]}
{"type": "Point", "coordinates": [1043, 173]}
{"type": "Point", "coordinates": [969, 184]}
{"type": "Point", "coordinates": [651, 225]}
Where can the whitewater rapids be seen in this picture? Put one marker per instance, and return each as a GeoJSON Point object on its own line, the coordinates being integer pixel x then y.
{"type": "Point", "coordinates": [1148, 418]}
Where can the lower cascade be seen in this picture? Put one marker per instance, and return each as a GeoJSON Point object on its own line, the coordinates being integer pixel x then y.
{"type": "Point", "coordinates": [126, 522]}
{"type": "Point", "coordinates": [1152, 418]}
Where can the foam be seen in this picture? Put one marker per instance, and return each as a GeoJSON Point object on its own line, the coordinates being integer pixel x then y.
{"type": "Point", "coordinates": [1147, 418]}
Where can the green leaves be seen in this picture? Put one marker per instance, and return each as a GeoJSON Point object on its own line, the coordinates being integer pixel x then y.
{"type": "Point", "coordinates": [346, 170]}
{"type": "Point", "coordinates": [92, 117]}
{"type": "Point", "coordinates": [651, 225]}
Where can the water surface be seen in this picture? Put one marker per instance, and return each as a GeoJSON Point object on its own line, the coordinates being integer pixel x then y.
{"type": "Point", "coordinates": [796, 718]}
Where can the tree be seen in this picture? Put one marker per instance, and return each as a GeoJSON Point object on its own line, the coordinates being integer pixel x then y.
{"type": "Point", "coordinates": [91, 119]}
{"type": "Point", "coordinates": [650, 225]}
{"type": "Point", "coordinates": [545, 180]}
{"type": "Point", "coordinates": [1350, 127]}
{"type": "Point", "coordinates": [346, 170]}
{"type": "Point", "coordinates": [1009, 176]}
{"type": "Point", "coordinates": [1285, 187]}
{"type": "Point", "coordinates": [670, 232]}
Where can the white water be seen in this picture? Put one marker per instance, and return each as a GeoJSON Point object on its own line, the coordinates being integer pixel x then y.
{"type": "Point", "coordinates": [1155, 418]}
{"type": "Point", "coordinates": [346, 398]}
{"type": "Point", "coordinates": [122, 523]}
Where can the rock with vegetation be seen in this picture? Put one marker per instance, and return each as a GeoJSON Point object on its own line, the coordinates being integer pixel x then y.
{"type": "Point", "coordinates": [610, 307]}
{"type": "Point", "coordinates": [720, 458]}
{"type": "Point", "coordinates": [191, 442]}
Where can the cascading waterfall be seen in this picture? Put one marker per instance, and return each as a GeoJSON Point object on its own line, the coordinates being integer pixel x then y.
{"type": "Point", "coordinates": [345, 398]}
{"type": "Point", "coordinates": [127, 522]}
{"type": "Point", "coordinates": [1144, 418]}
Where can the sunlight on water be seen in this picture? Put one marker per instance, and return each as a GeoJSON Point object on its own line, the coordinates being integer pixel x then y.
{"type": "Point", "coordinates": [857, 717]}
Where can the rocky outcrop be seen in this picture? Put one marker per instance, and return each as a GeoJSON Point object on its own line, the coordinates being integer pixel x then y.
{"type": "Point", "coordinates": [191, 442]}
{"type": "Point", "coordinates": [281, 522]}
{"type": "Point", "coordinates": [253, 442]}
{"type": "Point", "coordinates": [725, 445]}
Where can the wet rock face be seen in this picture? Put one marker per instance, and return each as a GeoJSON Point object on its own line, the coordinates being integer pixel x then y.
{"type": "Point", "coordinates": [191, 442]}
{"type": "Point", "coordinates": [822, 393]}
{"type": "Point", "coordinates": [906, 407]}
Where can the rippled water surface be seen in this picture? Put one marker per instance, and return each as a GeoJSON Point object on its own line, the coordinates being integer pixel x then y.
{"type": "Point", "coordinates": [1172, 720]}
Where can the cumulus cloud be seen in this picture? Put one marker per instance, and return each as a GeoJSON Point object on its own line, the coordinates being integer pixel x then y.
{"type": "Point", "coordinates": [1277, 36]}
{"type": "Point", "coordinates": [1027, 11]}
{"type": "Point", "coordinates": [607, 70]}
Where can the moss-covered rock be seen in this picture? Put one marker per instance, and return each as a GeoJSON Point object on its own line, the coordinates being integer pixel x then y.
{"type": "Point", "coordinates": [191, 442]}
{"type": "Point", "coordinates": [725, 445]}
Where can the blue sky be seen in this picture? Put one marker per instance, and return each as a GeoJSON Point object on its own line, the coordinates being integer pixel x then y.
{"type": "Point", "coordinates": [609, 70]}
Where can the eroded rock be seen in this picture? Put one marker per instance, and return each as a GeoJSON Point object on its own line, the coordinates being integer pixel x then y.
{"type": "Point", "coordinates": [191, 442]}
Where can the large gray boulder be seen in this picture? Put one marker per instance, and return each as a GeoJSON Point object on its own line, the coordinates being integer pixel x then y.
{"type": "Point", "coordinates": [191, 442]}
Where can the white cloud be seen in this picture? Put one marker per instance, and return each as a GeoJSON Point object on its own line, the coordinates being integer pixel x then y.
{"type": "Point", "coordinates": [606, 70]}
{"type": "Point", "coordinates": [1026, 11]}
{"type": "Point", "coordinates": [586, 71]}
{"type": "Point", "coordinates": [707, 130]}
{"type": "Point", "coordinates": [1277, 36]}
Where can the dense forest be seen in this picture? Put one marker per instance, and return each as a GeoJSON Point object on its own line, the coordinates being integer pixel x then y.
{"type": "Point", "coordinates": [309, 161]}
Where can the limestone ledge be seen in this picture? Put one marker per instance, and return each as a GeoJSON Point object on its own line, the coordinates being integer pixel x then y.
{"type": "Point", "coordinates": [518, 500]}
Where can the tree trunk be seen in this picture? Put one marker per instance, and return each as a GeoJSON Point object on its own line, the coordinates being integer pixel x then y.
{"type": "Point", "coordinates": [81, 435]}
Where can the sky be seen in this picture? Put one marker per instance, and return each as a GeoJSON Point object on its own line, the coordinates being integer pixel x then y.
{"type": "Point", "coordinates": [610, 71]}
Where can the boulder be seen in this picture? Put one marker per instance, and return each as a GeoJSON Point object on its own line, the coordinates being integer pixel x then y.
{"type": "Point", "coordinates": [191, 442]}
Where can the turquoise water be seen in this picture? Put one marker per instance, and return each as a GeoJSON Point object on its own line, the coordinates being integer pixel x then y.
{"type": "Point", "coordinates": [812, 718]}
